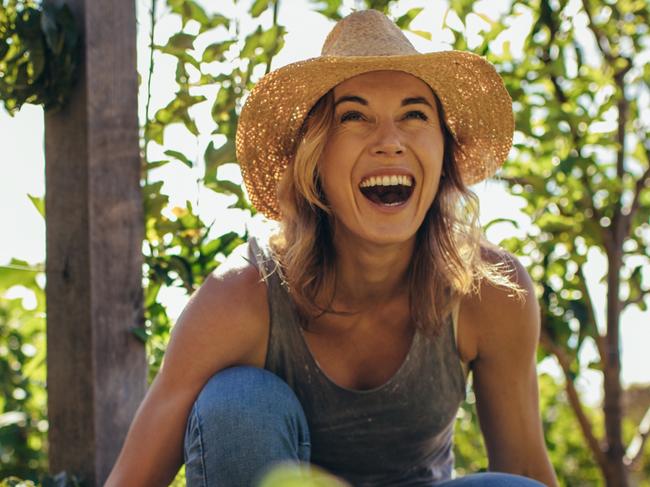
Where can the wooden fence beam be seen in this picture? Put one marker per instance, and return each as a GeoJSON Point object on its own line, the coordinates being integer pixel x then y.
{"type": "Point", "coordinates": [96, 366]}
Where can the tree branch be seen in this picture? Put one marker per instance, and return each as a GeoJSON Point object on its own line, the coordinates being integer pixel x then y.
{"type": "Point", "coordinates": [600, 341]}
{"type": "Point", "coordinates": [574, 399]}
{"type": "Point", "coordinates": [147, 113]}
{"type": "Point", "coordinates": [276, 7]}
{"type": "Point", "coordinates": [634, 451]}
{"type": "Point", "coordinates": [642, 183]}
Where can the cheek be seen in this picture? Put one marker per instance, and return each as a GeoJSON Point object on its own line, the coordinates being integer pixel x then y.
{"type": "Point", "coordinates": [335, 166]}
{"type": "Point", "coordinates": [331, 179]}
{"type": "Point", "coordinates": [434, 150]}
{"type": "Point", "coordinates": [432, 168]}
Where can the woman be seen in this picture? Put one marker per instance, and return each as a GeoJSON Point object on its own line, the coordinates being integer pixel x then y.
{"type": "Point", "coordinates": [346, 341]}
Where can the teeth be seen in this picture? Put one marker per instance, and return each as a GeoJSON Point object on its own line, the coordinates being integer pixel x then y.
{"type": "Point", "coordinates": [392, 180]}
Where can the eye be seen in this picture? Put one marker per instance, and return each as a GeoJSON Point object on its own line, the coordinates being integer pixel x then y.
{"type": "Point", "coordinates": [351, 116]}
{"type": "Point", "coordinates": [416, 114]}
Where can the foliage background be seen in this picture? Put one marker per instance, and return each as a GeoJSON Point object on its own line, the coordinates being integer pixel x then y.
{"type": "Point", "coordinates": [217, 58]}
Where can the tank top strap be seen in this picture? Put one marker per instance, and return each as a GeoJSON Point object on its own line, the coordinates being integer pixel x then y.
{"type": "Point", "coordinates": [286, 346]}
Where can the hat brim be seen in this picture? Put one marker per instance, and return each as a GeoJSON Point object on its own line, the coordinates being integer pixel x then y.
{"type": "Point", "coordinates": [477, 109]}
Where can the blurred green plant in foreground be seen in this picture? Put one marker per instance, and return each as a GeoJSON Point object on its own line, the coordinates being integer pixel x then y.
{"type": "Point", "coordinates": [292, 475]}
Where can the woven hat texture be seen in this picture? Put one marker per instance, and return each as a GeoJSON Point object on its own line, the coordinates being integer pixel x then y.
{"type": "Point", "coordinates": [477, 108]}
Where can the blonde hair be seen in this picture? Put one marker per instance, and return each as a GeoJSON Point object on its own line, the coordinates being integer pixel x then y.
{"type": "Point", "coordinates": [447, 262]}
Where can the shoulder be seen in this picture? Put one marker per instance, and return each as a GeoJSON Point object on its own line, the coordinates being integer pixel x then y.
{"type": "Point", "coordinates": [236, 285]}
{"type": "Point", "coordinates": [497, 317]}
{"type": "Point", "coordinates": [490, 293]}
{"type": "Point", "coordinates": [226, 321]}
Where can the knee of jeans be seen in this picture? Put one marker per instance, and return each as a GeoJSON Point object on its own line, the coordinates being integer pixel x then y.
{"type": "Point", "coordinates": [247, 391]}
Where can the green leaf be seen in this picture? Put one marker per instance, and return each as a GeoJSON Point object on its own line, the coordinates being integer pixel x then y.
{"type": "Point", "coordinates": [4, 48]}
{"type": "Point", "coordinates": [405, 20]}
{"type": "Point", "coordinates": [39, 204]}
{"type": "Point", "coordinates": [296, 476]}
{"type": "Point", "coordinates": [16, 482]}
{"type": "Point", "coordinates": [19, 273]}
{"type": "Point", "coordinates": [258, 7]}
{"type": "Point", "coordinates": [381, 5]}
{"type": "Point", "coordinates": [140, 333]}
{"type": "Point", "coordinates": [216, 157]}
{"type": "Point", "coordinates": [216, 51]}
{"type": "Point", "coordinates": [181, 54]}
{"type": "Point", "coordinates": [183, 269]}
{"type": "Point", "coordinates": [152, 292]}
{"type": "Point", "coordinates": [493, 24]}
{"type": "Point", "coordinates": [37, 59]}
{"type": "Point", "coordinates": [422, 33]}
{"type": "Point", "coordinates": [180, 156]}
{"type": "Point", "coordinates": [154, 131]}
{"type": "Point", "coordinates": [154, 164]}
{"type": "Point", "coordinates": [181, 41]}
{"type": "Point", "coordinates": [272, 40]}
{"type": "Point", "coordinates": [251, 44]}
{"type": "Point", "coordinates": [192, 10]}
{"type": "Point", "coordinates": [225, 186]}
{"type": "Point", "coordinates": [53, 37]}
{"type": "Point", "coordinates": [177, 111]}
{"type": "Point", "coordinates": [28, 23]}
{"type": "Point", "coordinates": [219, 20]}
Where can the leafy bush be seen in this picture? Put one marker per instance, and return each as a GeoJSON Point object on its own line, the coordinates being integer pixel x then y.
{"type": "Point", "coordinates": [39, 52]}
{"type": "Point", "coordinates": [23, 400]}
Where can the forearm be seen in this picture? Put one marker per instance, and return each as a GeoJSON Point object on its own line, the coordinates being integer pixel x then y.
{"type": "Point", "coordinates": [539, 469]}
{"type": "Point", "coordinates": [153, 449]}
{"type": "Point", "coordinates": [544, 473]}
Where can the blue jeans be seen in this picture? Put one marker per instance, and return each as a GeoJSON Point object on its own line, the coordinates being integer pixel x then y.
{"type": "Point", "coordinates": [246, 420]}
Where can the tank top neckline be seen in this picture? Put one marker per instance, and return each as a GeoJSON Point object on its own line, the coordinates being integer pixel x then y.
{"type": "Point", "coordinates": [396, 375]}
{"type": "Point", "coordinates": [274, 278]}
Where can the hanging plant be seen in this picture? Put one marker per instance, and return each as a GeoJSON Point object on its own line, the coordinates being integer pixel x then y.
{"type": "Point", "coordinates": [39, 54]}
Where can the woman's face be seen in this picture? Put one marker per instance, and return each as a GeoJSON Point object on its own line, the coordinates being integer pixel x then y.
{"type": "Point", "coordinates": [382, 160]}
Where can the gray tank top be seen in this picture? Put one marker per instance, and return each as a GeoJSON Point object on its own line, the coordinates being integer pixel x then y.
{"type": "Point", "coordinates": [397, 434]}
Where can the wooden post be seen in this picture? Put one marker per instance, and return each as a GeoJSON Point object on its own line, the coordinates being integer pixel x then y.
{"type": "Point", "coordinates": [96, 366]}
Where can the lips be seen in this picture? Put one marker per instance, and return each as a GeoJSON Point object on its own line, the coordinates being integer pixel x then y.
{"type": "Point", "coordinates": [387, 189]}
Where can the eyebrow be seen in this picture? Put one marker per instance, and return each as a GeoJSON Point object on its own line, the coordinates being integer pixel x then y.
{"type": "Point", "coordinates": [415, 101]}
{"type": "Point", "coordinates": [352, 98]}
{"type": "Point", "coordinates": [362, 101]}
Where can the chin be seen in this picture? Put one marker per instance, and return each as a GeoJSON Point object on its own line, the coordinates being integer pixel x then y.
{"type": "Point", "coordinates": [386, 234]}
{"type": "Point", "coordinates": [370, 226]}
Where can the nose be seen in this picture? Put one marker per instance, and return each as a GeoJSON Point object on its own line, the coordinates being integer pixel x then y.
{"type": "Point", "coordinates": [387, 140]}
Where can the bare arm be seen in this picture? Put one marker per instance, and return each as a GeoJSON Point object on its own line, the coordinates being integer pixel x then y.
{"type": "Point", "coordinates": [224, 324]}
{"type": "Point", "coordinates": [505, 380]}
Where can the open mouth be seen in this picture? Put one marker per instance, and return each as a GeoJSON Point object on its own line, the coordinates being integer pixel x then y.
{"type": "Point", "coordinates": [387, 190]}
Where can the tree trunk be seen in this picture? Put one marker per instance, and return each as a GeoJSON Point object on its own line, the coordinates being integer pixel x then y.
{"type": "Point", "coordinates": [616, 475]}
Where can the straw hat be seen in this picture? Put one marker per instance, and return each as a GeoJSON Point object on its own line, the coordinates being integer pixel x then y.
{"type": "Point", "coordinates": [477, 107]}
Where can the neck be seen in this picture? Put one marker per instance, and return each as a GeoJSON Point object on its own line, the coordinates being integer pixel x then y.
{"type": "Point", "coordinates": [370, 274]}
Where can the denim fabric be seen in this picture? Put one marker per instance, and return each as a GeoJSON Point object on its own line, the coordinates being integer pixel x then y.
{"type": "Point", "coordinates": [491, 479]}
{"type": "Point", "coordinates": [244, 421]}
{"type": "Point", "coordinates": [247, 420]}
